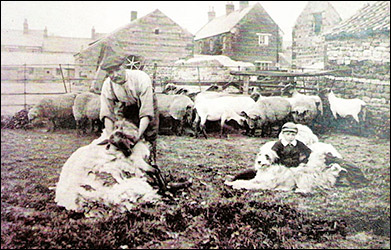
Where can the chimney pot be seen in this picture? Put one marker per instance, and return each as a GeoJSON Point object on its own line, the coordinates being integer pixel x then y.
{"type": "Point", "coordinates": [243, 4]}
{"type": "Point", "coordinates": [25, 27]}
{"type": "Point", "coordinates": [211, 14]}
{"type": "Point", "coordinates": [45, 32]}
{"type": "Point", "coordinates": [229, 8]}
{"type": "Point", "coordinates": [93, 33]}
{"type": "Point", "coordinates": [133, 15]}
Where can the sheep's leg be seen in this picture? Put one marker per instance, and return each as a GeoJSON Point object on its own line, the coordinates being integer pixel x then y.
{"type": "Point", "coordinates": [90, 124]}
{"type": "Point", "coordinates": [222, 125]}
{"type": "Point", "coordinates": [196, 125]}
{"type": "Point", "coordinates": [202, 126]}
{"type": "Point", "coordinates": [78, 127]}
{"type": "Point", "coordinates": [52, 125]}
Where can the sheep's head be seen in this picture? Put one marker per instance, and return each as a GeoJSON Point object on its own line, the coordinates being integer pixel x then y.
{"type": "Point", "coordinates": [123, 137]}
{"type": "Point", "coordinates": [302, 115]}
{"type": "Point", "coordinates": [189, 114]}
{"type": "Point", "coordinates": [33, 114]}
{"type": "Point", "coordinates": [169, 88]}
{"type": "Point", "coordinates": [253, 121]}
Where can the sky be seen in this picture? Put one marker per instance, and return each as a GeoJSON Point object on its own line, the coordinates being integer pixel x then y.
{"type": "Point", "coordinates": [76, 18]}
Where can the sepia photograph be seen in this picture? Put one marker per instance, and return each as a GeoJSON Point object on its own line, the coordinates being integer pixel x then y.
{"type": "Point", "coordinates": [195, 124]}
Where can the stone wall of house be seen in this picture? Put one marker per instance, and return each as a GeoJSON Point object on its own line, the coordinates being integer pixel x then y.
{"type": "Point", "coordinates": [366, 75]}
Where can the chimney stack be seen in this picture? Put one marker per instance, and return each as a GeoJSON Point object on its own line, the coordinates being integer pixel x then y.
{"type": "Point", "coordinates": [229, 8]}
{"type": "Point", "coordinates": [243, 4]}
{"type": "Point", "coordinates": [93, 33]}
{"type": "Point", "coordinates": [25, 27]}
{"type": "Point", "coordinates": [133, 15]}
{"type": "Point", "coordinates": [45, 32]}
{"type": "Point", "coordinates": [211, 14]}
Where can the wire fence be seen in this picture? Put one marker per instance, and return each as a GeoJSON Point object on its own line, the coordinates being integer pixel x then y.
{"type": "Point", "coordinates": [24, 85]}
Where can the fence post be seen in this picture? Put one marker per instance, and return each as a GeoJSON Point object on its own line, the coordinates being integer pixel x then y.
{"type": "Point", "coordinates": [154, 75]}
{"type": "Point", "coordinates": [63, 80]}
{"type": "Point", "coordinates": [69, 77]}
{"type": "Point", "coordinates": [199, 77]}
{"type": "Point", "coordinates": [24, 87]}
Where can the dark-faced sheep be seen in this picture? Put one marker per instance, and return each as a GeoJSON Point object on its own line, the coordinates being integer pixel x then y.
{"type": "Point", "coordinates": [305, 108]}
{"type": "Point", "coordinates": [177, 110]}
{"type": "Point", "coordinates": [86, 110]}
{"type": "Point", "coordinates": [55, 109]}
{"type": "Point", "coordinates": [266, 113]}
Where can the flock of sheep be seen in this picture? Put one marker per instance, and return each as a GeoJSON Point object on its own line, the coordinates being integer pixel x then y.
{"type": "Point", "coordinates": [96, 172]}
{"type": "Point", "coordinates": [177, 111]}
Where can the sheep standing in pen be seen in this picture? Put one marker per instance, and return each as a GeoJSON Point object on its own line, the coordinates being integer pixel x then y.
{"type": "Point", "coordinates": [219, 106]}
{"type": "Point", "coordinates": [86, 110]}
{"type": "Point", "coordinates": [346, 107]}
{"type": "Point", "coordinates": [178, 109]}
{"type": "Point", "coordinates": [305, 108]}
{"type": "Point", "coordinates": [54, 109]}
{"type": "Point", "coordinates": [266, 113]}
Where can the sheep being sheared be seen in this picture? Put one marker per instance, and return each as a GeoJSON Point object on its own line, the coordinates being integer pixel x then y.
{"type": "Point", "coordinates": [114, 173]}
{"type": "Point", "coordinates": [54, 109]}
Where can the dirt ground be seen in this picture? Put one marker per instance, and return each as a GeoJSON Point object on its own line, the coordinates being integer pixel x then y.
{"type": "Point", "coordinates": [355, 218]}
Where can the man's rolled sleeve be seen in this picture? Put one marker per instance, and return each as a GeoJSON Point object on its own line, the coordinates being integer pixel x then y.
{"type": "Point", "coordinates": [107, 102]}
{"type": "Point", "coordinates": [146, 102]}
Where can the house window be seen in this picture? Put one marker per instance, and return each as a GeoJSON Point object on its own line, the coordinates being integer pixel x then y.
{"type": "Point", "coordinates": [262, 65]}
{"type": "Point", "coordinates": [317, 22]}
{"type": "Point", "coordinates": [263, 39]}
{"type": "Point", "coordinates": [157, 31]}
{"type": "Point", "coordinates": [210, 45]}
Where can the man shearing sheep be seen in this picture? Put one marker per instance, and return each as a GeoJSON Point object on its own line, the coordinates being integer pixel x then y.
{"type": "Point", "coordinates": [129, 93]}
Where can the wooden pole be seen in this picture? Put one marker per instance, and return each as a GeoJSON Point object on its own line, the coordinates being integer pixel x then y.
{"type": "Point", "coordinates": [63, 80]}
{"type": "Point", "coordinates": [199, 77]}
{"type": "Point", "coordinates": [24, 87]}
{"type": "Point", "coordinates": [246, 82]}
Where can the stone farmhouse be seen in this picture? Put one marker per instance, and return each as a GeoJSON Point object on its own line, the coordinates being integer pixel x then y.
{"type": "Point", "coordinates": [248, 34]}
{"type": "Point", "coordinates": [308, 49]}
{"type": "Point", "coordinates": [41, 54]}
{"type": "Point", "coordinates": [154, 37]}
{"type": "Point", "coordinates": [361, 45]}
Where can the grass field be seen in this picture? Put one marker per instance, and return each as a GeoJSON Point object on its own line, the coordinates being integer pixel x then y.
{"type": "Point", "coordinates": [208, 214]}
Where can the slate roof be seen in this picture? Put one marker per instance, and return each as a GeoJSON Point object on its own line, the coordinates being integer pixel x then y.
{"type": "Point", "coordinates": [107, 37]}
{"type": "Point", "coordinates": [369, 20]}
{"type": "Point", "coordinates": [17, 38]}
{"type": "Point", "coordinates": [19, 58]}
{"type": "Point", "coordinates": [35, 38]}
{"type": "Point", "coordinates": [222, 24]}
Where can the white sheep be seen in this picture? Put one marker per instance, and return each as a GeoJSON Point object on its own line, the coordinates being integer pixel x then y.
{"type": "Point", "coordinates": [179, 108]}
{"type": "Point", "coordinates": [86, 110]}
{"type": "Point", "coordinates": [106, 173]}
{"type": "Point", "coordinates": [219, 106]}
{"type": "Point", "coordinates": [54, 109]}
{"type": "Point", "coordinates": [266, 112]}
{"type": "Point", "coordinates": [305, 108]}
{"type": "Point", "coordinates": [345, 107]}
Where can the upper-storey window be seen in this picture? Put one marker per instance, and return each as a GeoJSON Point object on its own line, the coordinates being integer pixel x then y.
{"type": "Point", "coordinates": [263, 39]}
{"type": "Point", "coordinates": [317, 22]}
